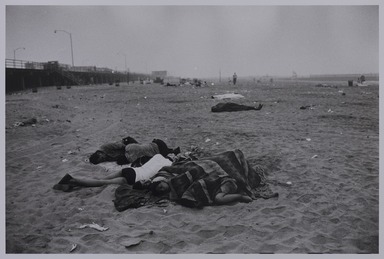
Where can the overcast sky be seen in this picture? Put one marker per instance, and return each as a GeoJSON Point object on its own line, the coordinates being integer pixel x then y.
{"type": "Point", "coordinates": [200, 41]}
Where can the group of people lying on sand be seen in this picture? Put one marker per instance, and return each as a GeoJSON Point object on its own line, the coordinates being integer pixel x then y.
{"type": "Point", "coordinates": [165, 172]}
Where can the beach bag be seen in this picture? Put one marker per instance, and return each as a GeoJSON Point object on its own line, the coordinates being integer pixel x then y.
{"type": "Point", "coordinates": [127, 198]}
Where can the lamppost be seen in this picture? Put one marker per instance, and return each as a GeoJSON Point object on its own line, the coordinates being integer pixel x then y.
{"type": "Point", "coordinates": [14, 56]}
{"type": "Point", "coordinates": [70, 37]}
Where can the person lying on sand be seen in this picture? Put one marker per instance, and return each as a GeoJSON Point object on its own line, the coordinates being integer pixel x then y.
{"type": "Point", "coordinates": [220, 179]}
{"type": "Point", "coordinates": [225, 194]}
{"type": "Point", "coordinates": [112, 152]}
{"type": "Point", "coordinates": [128, 175]}
{"type": "Point", "coordinates": [234, 107]}
{"type": "Point", "coordinates": [135, 151]}
{"type": "Point", "coordinates": [130, 151]}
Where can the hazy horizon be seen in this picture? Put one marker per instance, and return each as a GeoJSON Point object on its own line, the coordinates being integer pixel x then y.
{"type": "Point", "coordinates": [200, 41]}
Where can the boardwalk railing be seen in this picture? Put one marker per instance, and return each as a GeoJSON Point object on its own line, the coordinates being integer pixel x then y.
{"type": "Point", "coordinates": [22, 64]}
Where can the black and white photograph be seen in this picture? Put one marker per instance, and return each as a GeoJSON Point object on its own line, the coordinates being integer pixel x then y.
{"type": "Point", "coordinates": [196, 128]}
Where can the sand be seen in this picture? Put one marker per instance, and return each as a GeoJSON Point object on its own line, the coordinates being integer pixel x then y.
{"type": "Point", "coordinates": [328, 152]}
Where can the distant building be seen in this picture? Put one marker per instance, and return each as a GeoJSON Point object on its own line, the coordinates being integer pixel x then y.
{"type": "Point", "coordinates": [159, 76]}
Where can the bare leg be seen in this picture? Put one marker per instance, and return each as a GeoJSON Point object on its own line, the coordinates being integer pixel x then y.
{"type": "Point", "coordinates": [97, 182]}
{"type": "Point", "coordinates": [68, 182]}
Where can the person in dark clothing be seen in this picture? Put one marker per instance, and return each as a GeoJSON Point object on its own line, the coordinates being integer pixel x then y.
{"type": "Point", "coordinates": [130, 151]}
{"type": "Point", "coordinates": [234, 107]}
{"type": "Point", "coordinates": [234, 78]}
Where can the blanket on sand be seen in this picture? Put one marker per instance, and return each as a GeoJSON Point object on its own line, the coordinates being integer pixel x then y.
{"type": "Point", "coordinates": [197, 182]}
{"type": "Point", "coordinates": [127, 197]}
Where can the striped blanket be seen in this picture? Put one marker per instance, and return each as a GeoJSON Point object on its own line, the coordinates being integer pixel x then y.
{"type": "Point", "coordinates": [196, 183]}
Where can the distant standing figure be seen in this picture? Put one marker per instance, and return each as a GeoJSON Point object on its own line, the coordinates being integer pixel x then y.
{"type": "Point", "coordinates": [234, 78]}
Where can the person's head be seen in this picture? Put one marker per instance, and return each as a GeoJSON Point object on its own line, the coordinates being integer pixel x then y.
{"type": "Point", "coordinates": [159, 188]}
{"type": "Point", "coordinates": [163, 148]}
{"type": "Point", "coordinates": [98, 157]}
{"type": "Point", "coordinates": [129, 140]}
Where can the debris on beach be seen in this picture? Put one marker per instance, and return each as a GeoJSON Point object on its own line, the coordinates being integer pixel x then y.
{"type": "Point", "coordinates": [31, 122]}
{"type": "Point", "coordinates": [304, 107]}
{"type": "Point", "coordinates": [94, 226]}
{"type": "Point", "coordinates": [74, 246]}
{"type": "Point", "coordinates": [314, 156]}
{"type": "Point", "coordinates": [326, 85]}
{"type": "Point", "coordinates": [227, 96]}
{"type": "Point", "coordinates": [132, 242]}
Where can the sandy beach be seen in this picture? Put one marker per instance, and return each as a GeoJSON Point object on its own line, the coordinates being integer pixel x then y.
{"type": "Point", "coordinates": [320, 146]}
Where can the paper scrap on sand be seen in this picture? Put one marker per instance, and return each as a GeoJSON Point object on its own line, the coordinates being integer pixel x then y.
{"type": "Point", "coordinates": [227, 96]}
{"type": "Point", "coordinates": [73, 247]}
{"type": "Point", "coordinates": [132, 242]}
{"type": "Point", "coordinates": [94, 226]}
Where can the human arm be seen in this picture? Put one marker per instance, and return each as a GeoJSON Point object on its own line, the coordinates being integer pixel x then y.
{"type": "Point", "coordinates": [225, 198]}
{"type": "Point", "coordinates": [229, 193]}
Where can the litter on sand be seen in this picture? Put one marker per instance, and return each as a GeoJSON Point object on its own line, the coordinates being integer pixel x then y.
{"type": "Point", "coordinates": [73, 247]}
{"type": "Point", "coordinates": [94, 226]}
{"type": "Point", "coordinates": [227, 96]}
{"type": "Point", "coordinates": [132, 242]}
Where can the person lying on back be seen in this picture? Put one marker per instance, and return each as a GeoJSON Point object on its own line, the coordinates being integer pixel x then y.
{"type": "Point", "coordinates": [127, 175]}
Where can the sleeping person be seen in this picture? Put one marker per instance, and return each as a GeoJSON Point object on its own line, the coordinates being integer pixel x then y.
{"type": "Point", "coordinates": [221, 179]}
{"type": "Point", "coordinates": [130, 151]}
{"type": "Point", "coordinates": [128, 175]}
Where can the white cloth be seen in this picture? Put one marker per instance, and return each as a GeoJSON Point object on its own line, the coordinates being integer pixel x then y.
{"type": "Point", "coordinates": [150, 168]}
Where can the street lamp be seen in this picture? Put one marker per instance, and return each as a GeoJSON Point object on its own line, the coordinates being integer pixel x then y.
{"type": "Point", "coordinates": [70, 37]}
{"type": "Point", "coordinates": [14, 56]}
